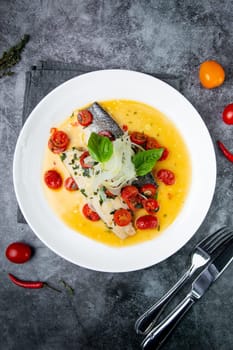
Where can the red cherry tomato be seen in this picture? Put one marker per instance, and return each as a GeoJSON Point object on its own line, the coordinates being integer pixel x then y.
{"type": "Point", "coordinates": [166, 176]}
{"type": "Point", "coordinates": [125, 127]}
{"type": "Point", "coordinates": [148, 190]}
{"type": "Point", "coordinates": [53, 179]}
{"type": "Point", "coordinates": [164, 154]}
{"type": "Point", "coordinates": [227, 114]}
{"type": "Point", "coordinates": [131, 197]}
{"type": "Point", "coordinates": [122, 217]}
{"type": "Point", "coordinates": [107, 134]}
{"type": "Point", "coordinates": [138, 137]}
{"type": "Point", "coordinates": [151, 205]}
{"type": "Point", "coordinates": [82, 160]}
{"type": "Point", "coordinates": [152, 143]}
{"type": "Point", "coordinates": [18, 252]}
{"type": "Point", "coordinates": [58, 141]}
{"type": "Point", "coordinates": [85, 117]}
{"type": "Point", "coordinates": [90, 214]}
{"type": "Point", "coordinates": [129, 191]}
{"type": "Point", "coordinates": [146, 222]}
{"type": "Point", "coordinates": [134, 202]}
{"type": "Point", "coordinates": [70, 184]}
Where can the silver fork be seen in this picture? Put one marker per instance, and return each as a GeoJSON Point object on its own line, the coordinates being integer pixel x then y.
{"type": "Point", "coordinates": [202, 253]}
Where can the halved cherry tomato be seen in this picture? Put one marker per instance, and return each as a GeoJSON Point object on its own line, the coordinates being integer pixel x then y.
{"type": "Point", "coordinates": [166, 176]}
{"type": "Point", "coordinates": [138, 137]}
{"type": "Point", "coordinates": [82, 160]}
{"type": "Point", "coordinates": [53, 179]}
{"type": "Point", "coordinates": [89, 213]}
{"type": "Point", "coordinates": [152, 143]}
{"type": "Point", "coordinates": [211, 74]}
{"type": "Point", "coordinates": [85, 117]}
{"type": "Point", "coordinates": [146, 221]}
{"type": "Point", "coordinates": [18, 252]}
{"type": "Point", "coordinates": [151, 205]}
{"type": "Point", "coordinates": [70, 184]}
{"type": "Point", "coordinates": [134, 202]}
{"type": "Point", "coordinates": [122, 217]}
{"type": "Point", "coordinates": [227, 114]}
{"type": "Point", "coordinates": [107, 134]}
{"type": "Point", "coordinates": [129, 191]}
{"type": "Point", "coordinates": [148, 190]}
{"type": "Point", "coordinates": [58, 141]}
{"type": "Point", "coordinates": [130, 195]}
{"type": "Point", "coordinates": [164, 154]}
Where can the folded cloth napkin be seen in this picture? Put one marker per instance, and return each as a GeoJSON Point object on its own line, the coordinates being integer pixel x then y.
{"type": "Point", "coordinates": [47, 75]}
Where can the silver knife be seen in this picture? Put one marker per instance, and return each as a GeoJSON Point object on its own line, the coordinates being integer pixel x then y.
{"type": "Point", "coordinates": [205, 279]}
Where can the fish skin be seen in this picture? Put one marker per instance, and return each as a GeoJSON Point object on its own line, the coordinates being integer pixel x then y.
{"type": "Point", "coordinates": [103, 121]}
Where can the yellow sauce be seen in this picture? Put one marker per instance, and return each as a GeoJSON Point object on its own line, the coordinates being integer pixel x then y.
{"type": "Point", "coordinates": [138, 117]}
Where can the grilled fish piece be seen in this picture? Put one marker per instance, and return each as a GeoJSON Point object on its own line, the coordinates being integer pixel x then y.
{"type": "Point", "coordinates": [96, 197]}
{"type": "Point", "coordinates": [103, 121]}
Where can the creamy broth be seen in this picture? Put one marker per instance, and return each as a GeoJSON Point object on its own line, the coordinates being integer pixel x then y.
{"type": "Point", "coordinates": [138, 117]}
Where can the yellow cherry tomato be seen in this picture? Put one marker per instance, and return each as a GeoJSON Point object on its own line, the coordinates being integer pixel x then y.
{"type": "Point", "coordinates": [211, 74]}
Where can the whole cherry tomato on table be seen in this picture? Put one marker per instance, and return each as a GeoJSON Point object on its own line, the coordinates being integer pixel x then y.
{"type": "Point", "coordinates": [211, 74]}
{"type": "Point", "coordinates": [18, 252]}
{"type": "Point", "coordinates": [227, 114]}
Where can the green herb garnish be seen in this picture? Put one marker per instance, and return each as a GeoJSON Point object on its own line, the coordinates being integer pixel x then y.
{"type": "Point", "coordinates": [86, 172]}
{"type": "Point", "coordinates": [100, 147]}
{"type": "Point", "coordinates": [12, 57]}
{"type": "Point", "coordinates": [68, 287]}
{"type": "Point", "coordinates": [144, 161]}
{"type": "Point", "coordinates": [63, 156]}
{"type": "Point", "coordinates": [82, 190]}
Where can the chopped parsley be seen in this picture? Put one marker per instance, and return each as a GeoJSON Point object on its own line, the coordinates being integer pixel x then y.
{"type": "Point", "coordinates": [63, 156]}
{"type": "Point", "coordinates": [82, 190]}
{"type": "Point", "coordinates": [86, 172]}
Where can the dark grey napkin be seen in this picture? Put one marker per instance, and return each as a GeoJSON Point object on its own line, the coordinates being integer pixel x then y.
{"type": "Point", "coordinates": [47, 75]}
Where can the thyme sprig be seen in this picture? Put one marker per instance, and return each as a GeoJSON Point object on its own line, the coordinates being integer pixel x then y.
{"type": "Point", "coordinates": [11, 57]}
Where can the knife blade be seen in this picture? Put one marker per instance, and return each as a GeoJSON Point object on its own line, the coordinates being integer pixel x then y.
{"type": "Point", "coordinates": [201, 284]}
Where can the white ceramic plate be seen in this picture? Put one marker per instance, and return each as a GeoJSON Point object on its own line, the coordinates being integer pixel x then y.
{"type": "Point", "coordinates": [54, 108]}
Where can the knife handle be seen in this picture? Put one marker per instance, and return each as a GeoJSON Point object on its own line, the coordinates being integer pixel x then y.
{"type": "Point", "coordinates": [147, 320]}
{"type": "Point", "coordinates": [159, 334]}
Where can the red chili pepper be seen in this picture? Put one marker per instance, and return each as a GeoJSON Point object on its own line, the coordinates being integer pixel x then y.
{"type": "Point", "coordinates": [225, 151]}
{"type": "Point", "coordinates": [29, 284]}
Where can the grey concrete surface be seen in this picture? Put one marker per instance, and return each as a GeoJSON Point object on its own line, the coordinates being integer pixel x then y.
{"type": "Point", "coordinates": [170, 37]}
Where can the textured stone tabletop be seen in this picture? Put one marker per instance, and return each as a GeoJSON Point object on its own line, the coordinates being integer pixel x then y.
{"type": "Point", "coordinates": [168, 37]}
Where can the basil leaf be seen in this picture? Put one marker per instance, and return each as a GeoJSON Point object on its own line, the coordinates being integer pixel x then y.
{"type": "Point", "coordinates": [145, 161]}
{"type": "Point", "coordinates": [100, 147]}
